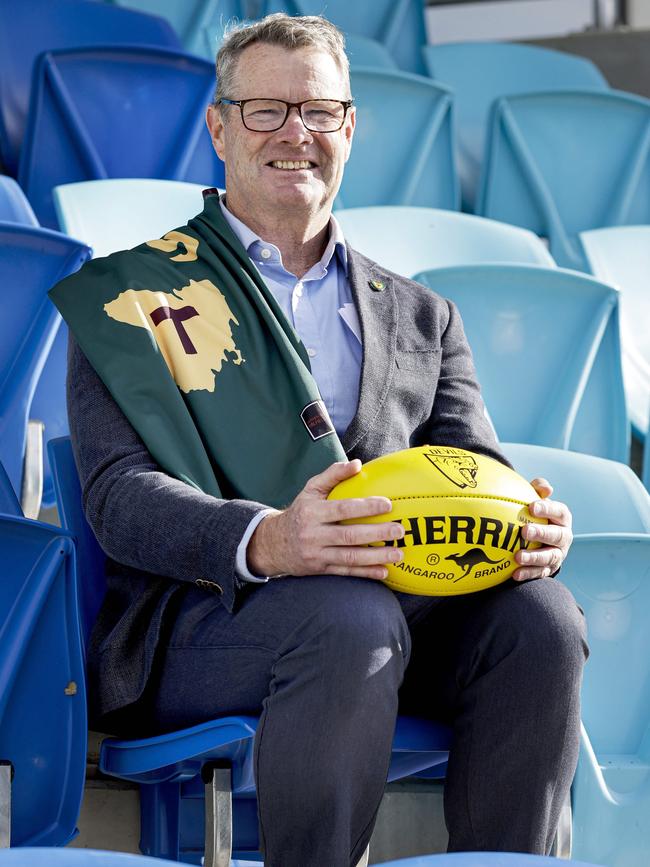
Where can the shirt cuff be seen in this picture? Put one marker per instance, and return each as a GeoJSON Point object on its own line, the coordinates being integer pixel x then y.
{"type": "Point", "coordinates": [241, 566]}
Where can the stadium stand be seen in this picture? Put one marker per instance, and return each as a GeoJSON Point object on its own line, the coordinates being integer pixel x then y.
{"type": "Point", "coordinates": [40, 25]}
{"type": "Point", "coordinates": [415, 167]}
{"type": "Point", "coordinates": [480, 72]}
{"type": "Point", "coordinates": [560, 163]}
{"type": "Point", "coordinates": [535, 334]}
{"type": "Point", "coordinates": [408, 240]}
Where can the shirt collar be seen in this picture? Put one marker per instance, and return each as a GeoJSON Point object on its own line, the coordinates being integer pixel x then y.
{"type": "Point", "coordinates": [335, 244]}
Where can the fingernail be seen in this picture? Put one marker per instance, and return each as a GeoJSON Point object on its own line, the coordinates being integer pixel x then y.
{"type": "Point", "coordinates": [536, 508]}
{"type": "Point", "coordinates": [524, 557]}
{"type": "Point", "coordinates": [397, 531]}
{"type": "Point", "coordinates": [397, 555]}
{"type": "Point", "coordinates": [531, 531]}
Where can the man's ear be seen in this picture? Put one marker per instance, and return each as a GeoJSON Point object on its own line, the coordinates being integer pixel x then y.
{"type": "Point", "coordinates": [214, 123]}
{"type": "Point", "coordinates": [348, 129]}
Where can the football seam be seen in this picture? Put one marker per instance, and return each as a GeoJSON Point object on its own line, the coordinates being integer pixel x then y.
{"type": "Point", "coordinates": [460, 497]}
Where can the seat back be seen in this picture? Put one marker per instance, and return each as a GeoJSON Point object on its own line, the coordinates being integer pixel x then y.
{"type": "Point", "coordinates": [409, 240]}
{"type": "Point", "coordinates": [363, 51]}
{"type": "Point", "coordinates": [536, 334]}
{"type": "Point", "coordinates": [40, 25]}
{"type": "Point", "coordinates": [32, 260]}
{"type": "Point", "coordinates": [14, 207]}
{"type": "Point", "coordinates": [117, 112]}
{"type": "Point", "coordinates": [480, 72]}
{"type": "Point", "coordinates": [117, 214]}
{"type": "Point", "coordinates": [398, 24]}
{"type": "Point", "coordinates": [9, 504]}
{"type": "Point", "coordinates": [43, 722]}
{"type": "Point", "coordinates": [559, 163]}
{"type": "Point", "coordinates": [414, 166]}
{"type": "Point", "coordinates": [92, 586]}
{"type": "Point", "coordinates": [621, 256]}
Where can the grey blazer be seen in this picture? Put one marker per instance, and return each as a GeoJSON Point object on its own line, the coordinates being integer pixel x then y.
{"type": "Point", "coordinates": [418, 386]}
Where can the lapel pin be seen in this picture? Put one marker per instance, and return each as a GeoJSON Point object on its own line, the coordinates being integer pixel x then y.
{"type": "Point", "coordinates": [377, 285]}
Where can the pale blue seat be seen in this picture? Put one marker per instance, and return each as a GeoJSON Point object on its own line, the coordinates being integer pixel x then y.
{"type": "Point", "coordinates": [45, 857]}
{"type": "Point", "coordinates": [484, 859]}
{"type": "Point", "coordinates": [96, 113]}
{"type": "Point", "coordinates": [414, 166]}
{"type": "Point", "coordinates": [560, 163]}
{"type": "Point", "coordinates": [364, 51]}
{"type": "Point", "coordinates": [41, 25]}
{"type": "Point", "coordinates": [621, 256]}
{"type": "Point", "coordinates": [547, 352]}
{"type": "Point", "coordinates": [14, 207]}
{"type": "Point", "coordinates": [407, 240]}
{"type": "Point", "coordinates": [479, 72]}
{"type": "Point", "coordinates": [397, 24]}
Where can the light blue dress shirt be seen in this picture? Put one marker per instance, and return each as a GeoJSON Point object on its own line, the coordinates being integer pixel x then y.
{"type": "Point", "coordinates": [319, 306]}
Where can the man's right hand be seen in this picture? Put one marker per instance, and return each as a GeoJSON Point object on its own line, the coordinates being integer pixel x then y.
{"type": "Point", "coordinates": [307, 539]}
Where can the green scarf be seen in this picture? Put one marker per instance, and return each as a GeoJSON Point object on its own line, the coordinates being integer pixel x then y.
{"type": "Point", "coordinates": [202, 361]}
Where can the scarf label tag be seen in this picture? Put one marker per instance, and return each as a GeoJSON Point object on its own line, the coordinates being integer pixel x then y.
{"type": "Point", "coordinates": [316, 419]}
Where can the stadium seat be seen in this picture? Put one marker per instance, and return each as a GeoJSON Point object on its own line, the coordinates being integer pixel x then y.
{"type": "Point", "coordinates": [31, 261]}
{"type": "Point", "coordinates": [40, 25]}
{"type": "Point", "coordinates": [484, 859]}
{"type": "Point", "coordinates": [169, 767]}
{"type": "Point", "coordinates": [621, 256]}
{"type": "Point", "coordinates": [363, 51]}
{"type": "Point", "coordinates": [45, 857]}
{"type": "Point", "coordinates": [480, 72]}
{"type": "Point", "coordinates": [43, 721]}
{"type": "Point", "coordinates": [403, 143]}
{"type": "Point", "coordinates": [408, 240]}
{"type": "Point", "coordinates": [561, 163]}
{"type": "Point", "coordinates": [397, 24]}
{"type": "Point", "coordinates": [536, 335]}
{"type": "Point", "coordinates": [9, 504]}
{"type": "Point", "coordinates": [117, 214]}
{"type": "Point", "coordinates": [14, 207]}
{"type": "Point", "coordinates": [117, 112]}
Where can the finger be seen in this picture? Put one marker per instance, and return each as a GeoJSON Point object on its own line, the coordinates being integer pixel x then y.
{"type": "Point", "coordinates": [543, 487]}
{"type": "Point", "coordinates": [331, 511]}
{"type": "Point", "coordinates": [350, 558]}
{"type": "Point", "coordinates": [553, 510]}
{"type": "Point", "coordinates": [349, 535]}
{"type": "Point", "coordinates": [542, 558]}
{"type": "Point", "coordinates": [548, 534]}
{"type": "Point", "coordinates": [531, 573]}
{"type": "Point", "coordinates": [323, 483]}
{"type": "Point", "coordinates": [376, 573]}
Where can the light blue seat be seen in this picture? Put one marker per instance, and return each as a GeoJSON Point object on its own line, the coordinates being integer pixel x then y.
{"type": "Point", "coordinates": [31, 261]}
{"type": "Point", "coordinates": [397, 24]}
{"type": "Point", "coordinates": [43, 722]}
{"type": "Point", "coordinates": [364, 51]}
{"type": "Point", "coordinates": [169, 767]}
{"type": "Point", "coordinates": [479, 72]}
{"type": "Point", "coordinates": [120, 213]}
{"type": "Point", "coordinates": [621, 256]}
{"type": "Point", "coordinates": [560, 163]}
{"type": "Point", "coordinates": [14, 207]}
{"type": "Point", "coordinates": [414, 167]}
{"type": "Point", "coordinates": [547, 352]}
{"type": "Point", "coordinates": [96, 113]}
{"type": "Point", "coordinates": [40, 25]}
{"type": "Point", "coordinates": [408, 240]}
{"type": "Point", "coordinates": [44, 857]}
{"type": "Point", "coordinates": [608, 575]}
{"type": "Point", "coordinates": [484, 859]}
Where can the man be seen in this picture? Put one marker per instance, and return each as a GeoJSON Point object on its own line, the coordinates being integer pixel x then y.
{"type": "Point", "coordinates": [300, 627]}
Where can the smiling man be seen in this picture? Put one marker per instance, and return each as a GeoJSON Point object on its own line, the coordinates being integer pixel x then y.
{"type": "Point", "coordinates": [223, 379]}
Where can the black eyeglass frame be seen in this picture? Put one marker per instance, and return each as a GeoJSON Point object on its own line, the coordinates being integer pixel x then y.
{"type": "Point", "coordinates": [346, 103]}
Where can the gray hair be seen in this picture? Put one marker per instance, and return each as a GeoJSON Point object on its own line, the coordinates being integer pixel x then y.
{"type": "Point", "coordinates": [300, 31]}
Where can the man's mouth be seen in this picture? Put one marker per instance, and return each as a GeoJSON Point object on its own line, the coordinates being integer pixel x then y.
{"type": "Point", "coordinates": [292, 164]}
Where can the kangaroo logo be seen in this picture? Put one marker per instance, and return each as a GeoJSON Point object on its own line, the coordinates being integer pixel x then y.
{"type": "Point", "coordinates": [459, 469]}
{"type": "Point", "coordinates": [470, 559]}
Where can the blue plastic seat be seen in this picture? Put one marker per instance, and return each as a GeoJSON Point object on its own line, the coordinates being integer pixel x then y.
{"type": "Point", "coordinates": [413, 167]}
{"type": "Point", "coordinates": [409, 240]}
{"type": "Point", "coordinates": [14, 207]}
{"type": "Point", "coordinates": [398, 24]}
{"type": "Point", "coordinates": [561, 163]}
{"type": "Point", "coordinates": [621, 256]}
{"type": "Point", "coordinates": [40, 25]}
{"type": "Point", "coordinates": [96, 113]}
{"type": "Point", "coordinates": [31, 261]}
{"type": "Point", "coordinates": [169, 768]}
{"type": "Point", "coordinates": [480, 72]}
{"type": "Point", "coordinates": [9, 504]}
{"type": "Point", "coordinates": [547, 352]}
{"type": "Point", "coordinates": [43, 722]}
{"type": "Point", "coordinates": [484, 859]}
{"type": "Point", "coordinates": [45, 857]}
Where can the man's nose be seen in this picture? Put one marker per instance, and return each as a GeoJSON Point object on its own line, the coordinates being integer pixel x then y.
{"type": "Point", "coordinates": [293, 129]}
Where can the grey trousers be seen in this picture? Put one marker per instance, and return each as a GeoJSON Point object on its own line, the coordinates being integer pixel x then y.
{"type": "Point", "coordinates": [329, 661]}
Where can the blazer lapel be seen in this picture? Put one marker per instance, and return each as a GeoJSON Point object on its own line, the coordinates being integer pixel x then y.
{"type": "Point", "coordinates": [376, 302]}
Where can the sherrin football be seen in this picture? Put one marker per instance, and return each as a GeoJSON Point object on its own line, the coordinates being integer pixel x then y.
{"type": "Point", "coordinates": [462, 513]}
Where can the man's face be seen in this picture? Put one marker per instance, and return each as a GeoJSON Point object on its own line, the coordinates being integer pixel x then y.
{"type": "Point", "coordinates": [254, 181]}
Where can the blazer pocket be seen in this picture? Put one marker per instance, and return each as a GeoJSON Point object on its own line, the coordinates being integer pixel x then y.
{"type": "Point", "coordinates": [418, 360]}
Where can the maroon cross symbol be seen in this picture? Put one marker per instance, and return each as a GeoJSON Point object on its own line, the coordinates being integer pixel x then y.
{"type": "Point", "coordinates": [177, 317]}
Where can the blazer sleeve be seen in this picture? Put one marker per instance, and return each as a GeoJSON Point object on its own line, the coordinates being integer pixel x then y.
{"type": "Point", "coordinates": [142, 517]}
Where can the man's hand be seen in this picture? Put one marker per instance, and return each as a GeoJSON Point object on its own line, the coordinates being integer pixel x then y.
{"type": "Point", "coordinates": [555, 537]}
{"type": "Point", "coordinates": [307, 539]}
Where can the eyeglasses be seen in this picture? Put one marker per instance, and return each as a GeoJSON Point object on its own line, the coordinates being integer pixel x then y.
{"type": "Point", "coordinates": [269, 115]}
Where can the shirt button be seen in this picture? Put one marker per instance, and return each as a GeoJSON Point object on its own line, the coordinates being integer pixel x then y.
{"type": "Point", "coordinates": [311, 352]}
{"type": "Point", "coordinates": [266, 253]}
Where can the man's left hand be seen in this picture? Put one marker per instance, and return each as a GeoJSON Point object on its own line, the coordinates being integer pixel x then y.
{"type": "Point", "coordinates": [555, 537]}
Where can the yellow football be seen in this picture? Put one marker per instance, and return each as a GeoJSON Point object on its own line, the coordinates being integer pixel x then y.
{"type": "Point", "coordinates": [462, 513]}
